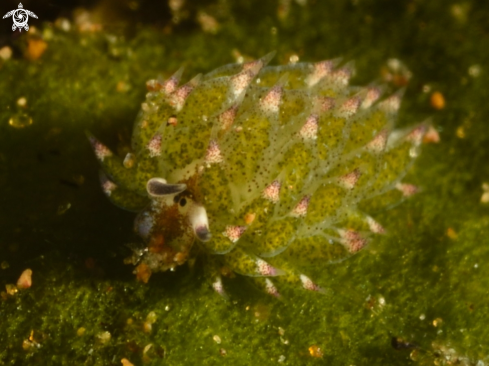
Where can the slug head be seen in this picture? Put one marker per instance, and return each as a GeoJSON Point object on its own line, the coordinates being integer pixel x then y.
{"type": "Point", "coordinates": [170, 224]}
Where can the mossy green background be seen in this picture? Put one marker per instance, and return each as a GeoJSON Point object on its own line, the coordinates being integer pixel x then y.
{"type": "Point", "coordinates": [76, 256]}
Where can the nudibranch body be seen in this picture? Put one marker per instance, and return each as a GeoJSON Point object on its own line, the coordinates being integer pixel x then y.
{"type": "Point", "coordinates": [259, 168]}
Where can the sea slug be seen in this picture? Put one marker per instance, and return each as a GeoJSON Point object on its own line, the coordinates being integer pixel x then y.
{"type": "Point", "coordinates": [256, 169]}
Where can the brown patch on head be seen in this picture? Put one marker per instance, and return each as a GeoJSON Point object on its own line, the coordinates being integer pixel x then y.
{"type": "Point", "coordinates": [156, 243]}
{"type": "Point", "coordinates": [193, 190]}
{"type": "Point", "coordinates": [169, 224]}
{"type": "Point", "coordinates": [180, 258]}
{"type": "Point", "coordinates": [172, 234]}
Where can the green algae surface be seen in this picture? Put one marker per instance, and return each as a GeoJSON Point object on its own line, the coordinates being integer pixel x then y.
{"type": "Point", "coordinates": [425, 283]}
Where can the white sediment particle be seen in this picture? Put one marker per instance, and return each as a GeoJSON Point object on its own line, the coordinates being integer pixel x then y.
{"type": "Point", "coordinates": [293, 59]}
{"type": "Point", "coordinates": [394, 64]}
{"type": "Point", "coordinates": [5, 53]}
{"type": "Point", "coordinates": [475, 71]}
{"type": "Point", "coordinates": [310, 129]}
{"type": "Point", "coordinates": [233, 233]}
{"type": "Point", "coordinates": [217, 339]}
{"type": "Point", "coordinates": [272, 192]}
{"type": "Point", "coordinates": [300, 210]}
{"type": "Point", "coordinates": [22, 102]}
{"type": "Point", "coordinates": [349, 180]}
{"type": "Point", "coordinates": [374, 226]}
{"type": "Point", "coordinates": [213, 154]}
{"type": "Point", "coordinates": [378, 143]}
{"type": "Point", "coordinates": [381, 301]}
{"type": "Point", "coordinates": [271, 101]}
{"type": "Point", "coordinates": [154, 146]}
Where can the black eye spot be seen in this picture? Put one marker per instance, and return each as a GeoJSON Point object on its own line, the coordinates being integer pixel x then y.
{"type": "Point", "coordinates": [183, 202]}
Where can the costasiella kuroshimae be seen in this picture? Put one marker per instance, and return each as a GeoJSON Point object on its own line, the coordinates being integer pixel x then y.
{"type": "Point", "coordinates": [260, 169]}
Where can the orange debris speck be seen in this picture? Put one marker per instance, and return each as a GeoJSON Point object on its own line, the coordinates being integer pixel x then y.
{"type": "Point", "coordinates": [173, 121]}
{"type": "Point", "coordinates": [249, 218]}
{"type": "Point", "coordinates": [126, 362]}
{"type": "Point", "coordinates": [315, 351]}
{"type": "Point", "coordinates": [35, 48]}
{"type": "Point", "coordinates": [180, 258]}
{"type": "Point", "coordinates": [485, 194]}
{"type": "Point", "coordinates": [451, 233]}
{"type": "Point", "coordinates": [122, 87]}
{"type": "Point", "coordinates": [25, 280]}
{"type": "Point", "coordinates": [437, 322]}
{"type": "Point", "coordinates": [27, 345]}
{"type": "Point", "coordinates": [147, 327]}
{"type": "Point", "coordinates": [461, 132]}
{"type": "Point", "coordinates": [11, 289]}
{"type": "Point", "coordinates": [143, 273]}
{"type": "Point", "coordinates": [437, 100]}
{"type": "Point", "coordinates": [5, 53]}
{"type": "Point", "coordinates": [431, 136]}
